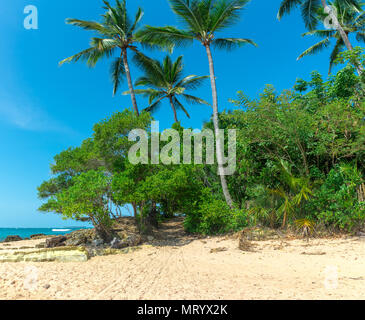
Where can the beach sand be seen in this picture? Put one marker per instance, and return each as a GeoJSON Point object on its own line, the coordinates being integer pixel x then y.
{"type": "Point", "coordinates": [192, 268]}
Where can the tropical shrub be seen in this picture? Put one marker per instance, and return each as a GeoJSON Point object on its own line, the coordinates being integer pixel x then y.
{"type": "Point", "coordinates": [337, 200]}
{"type": "Point", "coordinates": [213, 216]}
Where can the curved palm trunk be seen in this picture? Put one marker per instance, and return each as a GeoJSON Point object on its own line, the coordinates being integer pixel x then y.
{"type": "Point", "coordinates": [129, 79]}
{"type": "Point", "coordinates": [343, 34]}
{"type": "Point", "coordinates": [173, 109]}
{"type": "Point", "coordinates": [219, 149]}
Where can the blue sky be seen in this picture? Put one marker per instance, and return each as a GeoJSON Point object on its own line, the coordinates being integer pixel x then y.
{"type": "Point", "coordinates": [45, 108]}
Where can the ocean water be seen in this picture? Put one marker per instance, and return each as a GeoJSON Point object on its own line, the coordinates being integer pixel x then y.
{"type": "Point", "coordinates": [27, 232]}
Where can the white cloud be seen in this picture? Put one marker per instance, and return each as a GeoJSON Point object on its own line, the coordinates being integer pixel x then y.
{"type": "Point", "coordinates": [27, 117]}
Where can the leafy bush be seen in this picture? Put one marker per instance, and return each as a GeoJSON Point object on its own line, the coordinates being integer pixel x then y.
{"type": "Point", "coordinates": [336, 202]}
{"type": "Point", "coordinates": [213, 216]}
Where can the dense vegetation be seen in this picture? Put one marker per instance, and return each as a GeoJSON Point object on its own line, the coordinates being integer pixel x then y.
{"type": "Point", "coordinates": [300, 153]}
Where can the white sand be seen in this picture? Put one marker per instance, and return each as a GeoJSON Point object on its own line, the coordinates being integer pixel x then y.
{"type": "Point", "coordinates": [276, 270]}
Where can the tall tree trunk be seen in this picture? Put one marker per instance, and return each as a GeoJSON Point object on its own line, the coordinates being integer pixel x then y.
{"type": "Point", "coordinates": [134, 102]}
{"type": "Point", "coordinates": [219, 149]}
{"type": "Point", "coordinates": [173, 109]}
{"type": "Point", "coordinates": [343, 34]}
{"type": "Point", "coordinates": [129, 80]}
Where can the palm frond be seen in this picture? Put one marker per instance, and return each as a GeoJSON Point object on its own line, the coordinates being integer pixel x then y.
{"type": "Point", "coordinates": [91, 56]}
{"type": "Point", "coordinates": [186, 10]}
{"type": "Point", "coordinates": [165, 37]}
{"type": "Point", "coordinates": [107, 45]}
{"type": "Point", "coordinates": [354, 4]}
{"type": "Point", "coordinates": [309, 13]}
{"type": "Point", "coordinates": [117, 72]}
{"type": "Point", "coordinates": [151, 94]}
{"type": "Point", "coordinates": [287, 6]}
{"type": "Point", "coordinates": [226, 13]}
{"type": "Point", "coordinates": [231, 43]}
{"type": "Point", "coordinates": [175, 70]}
{"type": "Point", "coordinates": [335, 52]}
{"type": "Point", "coordinates": [154, 106]}
{"type": "Point", "coordinates": [138, 18]}
{"type": "Point", "coordinates": [88, 25]}
{"type": "Point", "coordinates": [192, 82]}
{"type": "Point", "coordinates": [148, 82]}
{"type": "Point", "coordinates": [320, 33]}
{"type": "Point", "coordinates": [193, 99]}
{"type": "Point", "coordinates": [179, 105]}
{"type": "Point", "coordinates": [83, 55]}
{"type": "Point", "coordinates": [151, 68]}
{"type": "Point", "coordinates": [315, 48]}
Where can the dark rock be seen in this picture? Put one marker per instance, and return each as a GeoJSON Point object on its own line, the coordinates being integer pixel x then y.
{"type": "Point", "coordinates": [12, 239]}
{"type": "Point", "coordinates": [80, 237]}
{"type": "Point", "coordinates": [40, 245]}
{"type": "Point", "coordinates": [118, 244]}
{"type": "Point", "coordinates": [360, 234]}
{"type": "Point", "coordinates": [133, 240]}
{"type": "Point", "coordinates": [56, 242]}
{"type": "Point", "coordinates": [37, 236]}
{"type": "Point", "coordinates": [130, 241]}
{"type": "Point", "coordinates": [97, 242]}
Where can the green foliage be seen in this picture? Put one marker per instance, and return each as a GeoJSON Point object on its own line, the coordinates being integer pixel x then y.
{"type": "Point", "coordinates": [111, 136]}
{"type": "Point", "coordinates": [213, 216]}
{"type": "Point", "coordinates": [116, 31]}
{"type": "Point", "coordinates": [336, 202]}
{"type": "Point", "coordinates": [311, 131]}
{"type": "Point", "coordinates": [311, 8]}
{"type": "Point", "coordinates": [300, 153]}
{"type": "Point", "coordinates": [350, 18]}
{"type": "Point", "coordinates": [166, 81]}
{"type": "Point", "coordinates": [201, 20]}
{"type": "Point", "coordinates": [87, 197]}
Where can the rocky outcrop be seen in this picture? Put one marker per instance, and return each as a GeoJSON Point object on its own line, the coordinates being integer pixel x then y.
{"type": "Point", "coordinates": [94, 251]}
{"type": "Point", "coordinates": [56, 242]}
{"type": "Point", "coordinates": [12, 239]}
{"type": "Point", "coordinates": [130, 241]}
{"type": "Point", "coordinates": [66, 254]}
{"type": "Point", "coordinates": [38, 236]}
{"type": "Point", "coordinates": [80, 237]}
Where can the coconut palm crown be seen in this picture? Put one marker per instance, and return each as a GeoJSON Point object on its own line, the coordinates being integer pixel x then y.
{"type": "Point", "coordinates": [166, 81]}
{"type": "Point", "coordinates": [202, 20]}
{"type": "Point", "coordinates": [116, 35]}
{"type": "Point", "coordinates": [309, 9]}
{"type": "Point", "coordinates": [351, 20]}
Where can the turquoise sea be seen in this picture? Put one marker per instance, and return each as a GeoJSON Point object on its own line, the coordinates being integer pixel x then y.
{"type": "Point", "coordinates": [27, 232]}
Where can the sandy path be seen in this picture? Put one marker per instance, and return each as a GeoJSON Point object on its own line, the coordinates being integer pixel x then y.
{"type": "Point", "coordinates": [188, 270]}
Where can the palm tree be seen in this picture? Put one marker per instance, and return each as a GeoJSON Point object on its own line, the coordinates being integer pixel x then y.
{"type": "Point", "coordinates": [202, 20]}
{"type": "Point", "coordinates": [309, 9]}
{"type": "Point", "coordinates": [166, 81]}
{"type": "Point", "coordinates": [117, 33]}
{"type": "Point", "coordinates": [293, 192]}
{"type": "Point", "coordinates": [351, 21]}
